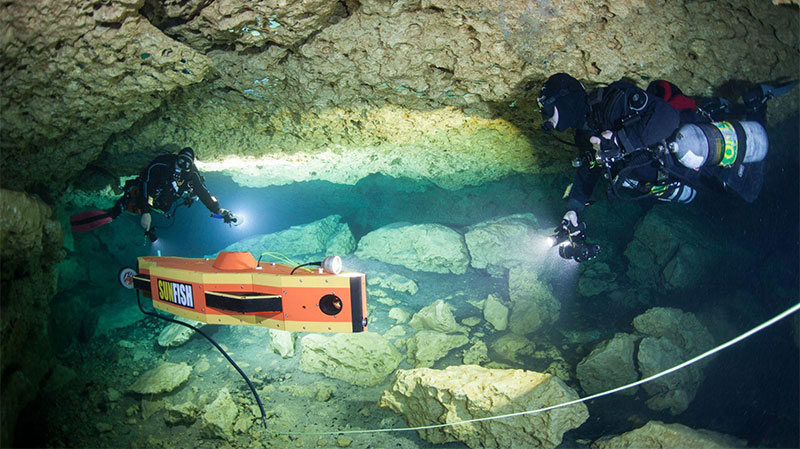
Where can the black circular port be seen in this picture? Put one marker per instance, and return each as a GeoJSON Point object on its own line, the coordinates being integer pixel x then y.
{"type": "Point", "coordinates": [330, 304]}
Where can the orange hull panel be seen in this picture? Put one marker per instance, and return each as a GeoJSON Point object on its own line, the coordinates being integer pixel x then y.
{"type": "Point", "coordinates": [234, 289]}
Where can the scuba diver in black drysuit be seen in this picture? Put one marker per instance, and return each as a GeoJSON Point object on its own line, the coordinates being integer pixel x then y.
{"type": "Point", "coordinates": [652, 144]}
{"type": "Point", "coordinates": [167, 179]}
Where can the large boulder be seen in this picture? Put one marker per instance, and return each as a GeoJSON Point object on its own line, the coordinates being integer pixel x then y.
{"type": "Point", "coordinates": [426, 347]}
{"type": "Point", "coordinates": [393, 281]}
{"type": "Point", "coordinates": [609, 365]}
{"type": "Point", "coordinates": [364, 358]}
{"type": "Point", "coordinates": [682, 328]}
{"type": "Point", "coordinates": [671, 251]}
{"type": "Point", "coordinates": [281, 342]}
{"type": "Point", "coordinates": [659, 434]}
{"type": "Point", "coordinates": [502, 243]}
{"type": "Point", "coordinates": [426, 396]}
{"type": "Point", "coordinates": [422, 247]}
{"type": "Point", "coordinates": [327, 236]}
{"type": "Point", "coordinates": [533, 305]}
{"type": "Point", "coordinates": [495, 312]}
{"type": "Point", "coordinates": [436, 317]}
{"type": "Point", "coordinates": [665, 337]}
{"type": "Point", "coordinates": [513, 347]}
{"type": "Point", "coordinates": [673, 336]}
{"type": "Point", "coordinates": [162, 379]}
{"type": "Point", "coordinates": [219, 416]}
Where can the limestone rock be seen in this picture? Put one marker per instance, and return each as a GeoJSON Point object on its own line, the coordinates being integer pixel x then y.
{"type": "Point", "coordinates": [503, 243]}
{"type": "Point", "coordinates": [675, 392]}
{"type": "Point", "coordinates": [426, 347]}
{"type": "Point", "coordinates": [100, 60]}
{"type": "Point", "coordinates": [59, 378]}
{"type": "Point", "coordinates": [671, 337]}
{"type": "Point", "coordinates": [609, 365]}
{"type": "Point", "coordinates": [533, 304]}
{"type": "Point", "coordinates": [423, 247]}
{"type": "Point", "coordinates": [243, 25]}
{"type": "Point", "coordinates": [659, 434]}
{"type": "Point", "coordinates": [674, 337]}
{"type": "Point", "coordinates": [596, 278]}
{"type": "Point", "coordinates": [184, 413]}
{"type": "Point", "coordinates": [496, 313]}
{"type": "Point", "coordinates": [175, 335]}
{"type": "Point", "coordinates": [477, 354]}
{"type": "Point", "coordinates": [394, 282]}
{"type": "Point", "coordinates": [512, 347]}
{"type": "Point", "coordinates": [220, 416]}
{"type": "Point", "coordinates": [395, 332]}
{"type": "Point", "coordinates": [27, 233]}
{"type": "Point", "coordinates": [364, 358]}
{"type": "Point", "coordinates": [471, 321]}
{"type": "Point", "coordinates": [671, 251]}
{"type": "Point", "coordinates": [682, 328]}
{"type": "Point", "coordinates": [436, 317]}
{"type": "Point", "coordinates": [162, 379]}
{"type": "Point", "coordinates": [426, 396]}
{"type": "Point", "coordinates": [282, 342]}
{"type": "Point", "coordinates": [318, 238]}
{"type": "Point", "coordinates": [399, 314]}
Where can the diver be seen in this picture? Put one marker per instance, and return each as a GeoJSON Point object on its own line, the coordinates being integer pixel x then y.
{"type": "Point", "coordinates": [652, 144]}
{"type": "Point", "coordinates": [166, 180]}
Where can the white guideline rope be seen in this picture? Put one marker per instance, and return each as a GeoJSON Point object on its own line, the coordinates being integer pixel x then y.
{"type": "Point", "coordinates": [708, 353]}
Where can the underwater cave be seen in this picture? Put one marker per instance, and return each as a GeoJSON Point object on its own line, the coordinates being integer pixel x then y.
{"type": "Point", "coordinates": [355, 251]}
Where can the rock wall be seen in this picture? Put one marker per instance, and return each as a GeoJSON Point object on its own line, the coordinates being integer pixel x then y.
{"type": "Point", "coordinates": [75, 72]}
{"type": "Point", "coordinates": [30, 247]}
{"type": "Point", "coordinates": [304, 77]}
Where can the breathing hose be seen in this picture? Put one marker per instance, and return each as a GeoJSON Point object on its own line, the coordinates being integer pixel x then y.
{"type": "Point", "coordinates": [216, 345]}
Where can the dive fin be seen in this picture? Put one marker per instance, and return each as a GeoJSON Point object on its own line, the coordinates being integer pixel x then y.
{"type": "Point", "coordinates": [777, 91]}
{"type": "Point", "coordinates": [86, 221]}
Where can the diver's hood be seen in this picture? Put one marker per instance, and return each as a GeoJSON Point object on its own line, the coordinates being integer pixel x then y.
{"type": "Point", "coordinates": [564, 92]}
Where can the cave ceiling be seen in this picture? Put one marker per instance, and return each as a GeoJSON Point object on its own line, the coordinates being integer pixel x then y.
{"type": "Point", "coordinates": [442, 90]}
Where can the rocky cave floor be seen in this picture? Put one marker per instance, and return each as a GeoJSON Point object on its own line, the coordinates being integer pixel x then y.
{"type": "Point", "coordinates": [87, 400]}
{"type": "Point", "coordinates": [96, 408]}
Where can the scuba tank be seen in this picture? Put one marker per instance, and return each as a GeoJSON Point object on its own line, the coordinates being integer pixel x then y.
{"type": "Point", "coordinates": [719, 144]}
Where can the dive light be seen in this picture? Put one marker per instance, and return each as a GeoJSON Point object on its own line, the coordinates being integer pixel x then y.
{"type": "Point", "coordinates": [571, 242]}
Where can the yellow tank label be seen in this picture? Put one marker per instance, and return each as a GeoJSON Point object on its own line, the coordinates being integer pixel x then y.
{"type": "Point", "coordinates": [731, 143]}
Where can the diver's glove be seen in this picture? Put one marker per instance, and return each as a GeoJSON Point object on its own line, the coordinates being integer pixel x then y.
{"type": "Point", "coordinates": [145, 221]}
{"type": "Point", "coordinates": [606, 148]}
{"type": "Point", "coordinates": [569, 229]}
{"type": "Point", "coordinates": [228, 217]}
{"type": "Point", "coordinates": [571, 239]}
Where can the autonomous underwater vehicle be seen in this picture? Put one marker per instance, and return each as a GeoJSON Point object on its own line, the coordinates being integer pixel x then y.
{"type": "Point", "coordinates": [236, 289]}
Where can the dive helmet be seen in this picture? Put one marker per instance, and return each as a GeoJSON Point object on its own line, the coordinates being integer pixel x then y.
{"type": "Point", "coordinates": [562, 101]}
{"type": "Point", "coordinates": [185, 159]}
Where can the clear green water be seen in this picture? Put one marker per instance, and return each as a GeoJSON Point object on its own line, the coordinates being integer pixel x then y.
{"type": "Point", "coordinates": [750, 391]}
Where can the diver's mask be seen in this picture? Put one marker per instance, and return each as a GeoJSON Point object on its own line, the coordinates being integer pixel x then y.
{"type": "Point", "coordinates": [182, 165]}
{"type": "Point", "coordinates": [547, 106]}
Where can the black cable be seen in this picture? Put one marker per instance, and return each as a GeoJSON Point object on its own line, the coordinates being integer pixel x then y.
{"type": "Point", "coordinates": [244, 376]}
{"type": "Point", "coordinates": [304, 265]}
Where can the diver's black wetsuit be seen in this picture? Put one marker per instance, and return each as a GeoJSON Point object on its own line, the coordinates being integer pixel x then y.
{"type": "Point", "coordinates": [633, 131]}
{"type": "Point", "coordinates": [157, 188]}
{"type": "Point", "coordinates": [640, 172]}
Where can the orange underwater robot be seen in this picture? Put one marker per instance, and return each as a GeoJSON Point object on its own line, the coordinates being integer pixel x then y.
{"type": "Point", "coordinates": [234, 288]}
